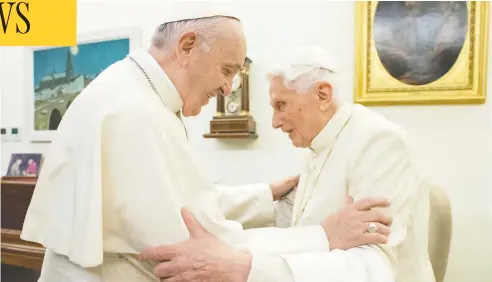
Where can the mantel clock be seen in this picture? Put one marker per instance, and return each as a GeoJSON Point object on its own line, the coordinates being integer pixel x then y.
{"type": "Point", "coordinates": [232, 118]}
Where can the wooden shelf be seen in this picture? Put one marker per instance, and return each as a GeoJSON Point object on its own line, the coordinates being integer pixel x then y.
{"type": "Point", "coordinates": [18, 252]}
{"type": "Point", "coordinates": [232, 135]}
{"type": "Point", "coordinates": [21, 258]}
{"type": "Point", "coordinates": [19, 180]}
{"type": "Point", "coordinates": [232, 127]}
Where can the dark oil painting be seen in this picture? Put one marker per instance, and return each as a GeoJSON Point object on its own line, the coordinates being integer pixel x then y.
{"type": "Point", "coordinates": [419, 42]}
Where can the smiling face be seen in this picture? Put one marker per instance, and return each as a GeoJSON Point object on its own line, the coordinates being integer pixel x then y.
{"type": "Point", "coordinates": [208, 73]}
{"type": "Point", "coordinates": [301, 115]}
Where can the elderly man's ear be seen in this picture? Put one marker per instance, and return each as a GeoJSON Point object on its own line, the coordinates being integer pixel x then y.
{"type": "Point", "coordinates": [324, 95]}
{"type": "Point", "coordinates": [186, 43]}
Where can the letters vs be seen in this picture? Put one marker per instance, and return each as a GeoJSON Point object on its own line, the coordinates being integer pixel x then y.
{"type": "Point", "coordinates": [15, 11]}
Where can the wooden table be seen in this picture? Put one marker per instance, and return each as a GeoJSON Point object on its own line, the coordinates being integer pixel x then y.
{"type": "Point", "coordinates": [21, 260]}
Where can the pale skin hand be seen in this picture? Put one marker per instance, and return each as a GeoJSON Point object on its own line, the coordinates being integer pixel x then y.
{"type": "Point", "coordinates": [215, 261]}
{"type": "Point", "coordinates": [282, 188]}
{"type": "Point", "coordinates": [204, 258]}
{"type": "Point", "coordinates": [347, 228]}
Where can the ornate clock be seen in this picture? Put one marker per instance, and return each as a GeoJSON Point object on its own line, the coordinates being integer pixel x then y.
{"type": "Point", "coordinates": [233, 119]}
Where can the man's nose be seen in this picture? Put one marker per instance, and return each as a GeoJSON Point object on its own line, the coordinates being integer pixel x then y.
{"type": "Point", "coordinates": [276, 122]}
{"type": "Point", "coordinates": [226, 89]}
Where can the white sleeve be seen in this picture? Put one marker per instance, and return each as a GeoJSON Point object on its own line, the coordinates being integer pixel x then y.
{"type": "Point", "coordinates": [283, 210]}
{"type": "Point", "coordinates": [354, 265]}
{"type": "Point", "coordinates": [147, 180]}
{"type": "Point", "coordinates": [384, 168]}
{"type": "Point", "coordinates": [279, 241]}
{"type": "Point", "coordinates": [251, 205]}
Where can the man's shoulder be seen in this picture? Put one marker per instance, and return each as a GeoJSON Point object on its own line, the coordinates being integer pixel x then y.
{"type": "Point", "coordinates": [371, 133]}
{"type": "Point", "coordinates": [116, 93]}
{"type": "Point", "coordinates": [139, 111]}
{"type": "Point", "coordinates": [115, 82]}
{"type": "Point", "coordinates": [145, 117]}
{"type": "Point", "coordinates": [369, 124]}
{"type": "Point", "coordinates": [104, 92]}
{"type": "Point", "coordinates": [376, 139]}
{"type": "Point", "coordinates": [115, 99]}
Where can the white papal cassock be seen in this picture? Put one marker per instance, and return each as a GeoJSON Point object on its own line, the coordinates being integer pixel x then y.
{"type": "Point", "coordinates": [117, 174]}
{"type": "Point", "coordinates": [360, 153]}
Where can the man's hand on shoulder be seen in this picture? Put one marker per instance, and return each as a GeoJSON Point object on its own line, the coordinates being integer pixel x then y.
{"type": "Point", "coordinates": [202, 258]}
{"type": "Point", "coordinates": [350, 226]}
{"type": "Point", "coordinates": [283, 187]}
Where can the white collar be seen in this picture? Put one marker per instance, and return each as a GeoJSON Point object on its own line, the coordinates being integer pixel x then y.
{"type": "Point", "coordinates": [327, 136]}
{"type": "Point", "coordinates": [164, 87]}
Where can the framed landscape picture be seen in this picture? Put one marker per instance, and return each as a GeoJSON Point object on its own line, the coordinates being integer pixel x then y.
{"type": "Point", "coordinates": [419, 52]}
{"type": "Point", "coordinates": [58, 74]}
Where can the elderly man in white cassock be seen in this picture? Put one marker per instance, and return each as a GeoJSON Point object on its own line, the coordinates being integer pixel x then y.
{"type": "Point", "coordinates": [95, 207]}
{"type": "Point", "coordinates": [354, 151]}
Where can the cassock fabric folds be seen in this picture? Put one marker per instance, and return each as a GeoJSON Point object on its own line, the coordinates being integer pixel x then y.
{"type": "Point", "coordinates": [118, 173]}
{"type": "Point", "coordinates": [360, 153]}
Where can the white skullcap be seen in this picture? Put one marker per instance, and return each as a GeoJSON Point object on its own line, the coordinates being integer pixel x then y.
{"type": "Point", "coordinates": [305, 58]}
{"type": "Point", "coordinates": [180, 11]}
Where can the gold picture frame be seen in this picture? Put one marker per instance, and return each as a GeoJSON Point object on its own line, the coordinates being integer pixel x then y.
{"type": "Point", "coordinates": [390, 72]}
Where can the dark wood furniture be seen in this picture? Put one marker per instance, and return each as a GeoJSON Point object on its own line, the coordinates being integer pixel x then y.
{"type": "Point", "coordinates": [21, 260]}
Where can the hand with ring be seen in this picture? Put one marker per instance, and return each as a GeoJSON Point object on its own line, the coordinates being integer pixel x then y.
{"type": "Point", "coordinates": [358, 224]}
{"type": "Point", "coordinates": [373, 228]}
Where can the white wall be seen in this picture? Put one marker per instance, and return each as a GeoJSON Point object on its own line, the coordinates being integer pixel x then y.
{"type": "Point", "coordinates": [455, 142]}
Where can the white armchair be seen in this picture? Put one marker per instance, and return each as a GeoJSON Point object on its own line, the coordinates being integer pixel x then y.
{"type": "Point", "coordinates": [440, 230]}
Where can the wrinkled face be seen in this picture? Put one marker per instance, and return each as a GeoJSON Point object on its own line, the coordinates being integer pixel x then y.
{"type": "Point", "coordinates": [301, 115]}
{"type": "Point", "coordinates": [208, 74]}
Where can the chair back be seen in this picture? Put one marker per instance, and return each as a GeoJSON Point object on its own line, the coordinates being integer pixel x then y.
{"type": "Point", "coordinates": [440, 230]}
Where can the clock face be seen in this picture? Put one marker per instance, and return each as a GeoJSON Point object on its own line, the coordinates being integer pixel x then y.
{"type": "Point", "coordinates": [232, 107]}
{"type": "Point", "coordinates": [236, 82]}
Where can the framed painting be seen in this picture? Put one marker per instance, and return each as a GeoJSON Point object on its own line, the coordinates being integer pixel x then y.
{"type": "Point", "coordinates": [419, 52]}
{"type": "Point", "coordinates": [56, 75]}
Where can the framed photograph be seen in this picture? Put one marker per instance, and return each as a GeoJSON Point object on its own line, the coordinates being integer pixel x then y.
{"type": "Point", "coordinates": [56, 75]}
{"type": "Point", "coordinates": [419, 52]}
{"type": "Point", "coordinates": [25, 165]}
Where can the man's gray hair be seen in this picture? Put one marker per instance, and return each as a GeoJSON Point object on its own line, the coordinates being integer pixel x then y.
{"type": "Point", "coordinates": [168, 34]}
{"type": "Point", "coordinates": [303, 78]}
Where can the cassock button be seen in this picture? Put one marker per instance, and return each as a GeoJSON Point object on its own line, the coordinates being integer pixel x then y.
{"type": "Point", "coordinates": [313, 167]}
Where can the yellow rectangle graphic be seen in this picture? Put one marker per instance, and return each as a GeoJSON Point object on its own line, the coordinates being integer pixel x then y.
{"type": "Point", "coordinates": [38, 22]}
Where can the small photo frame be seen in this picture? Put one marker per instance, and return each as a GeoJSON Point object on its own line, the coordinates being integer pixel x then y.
{"type": "Point", "coordinates": [25, 165]}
